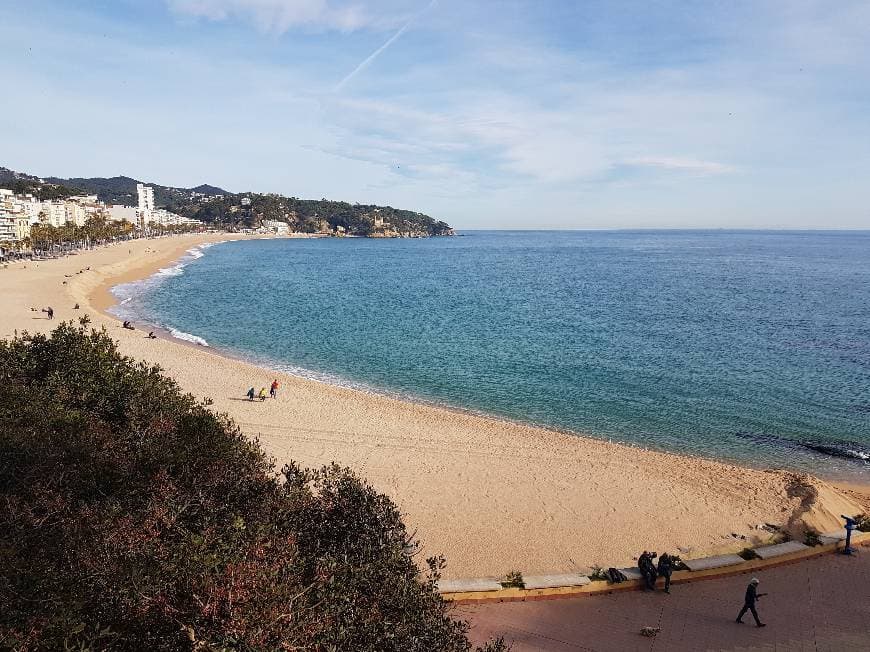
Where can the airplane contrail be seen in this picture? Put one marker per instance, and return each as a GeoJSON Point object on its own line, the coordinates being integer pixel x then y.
{"type": "Point", "coordinates": [374, 55]}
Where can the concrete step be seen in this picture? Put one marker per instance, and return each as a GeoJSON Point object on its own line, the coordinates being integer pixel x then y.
{"type": "Point", "coordinates": [469, 585]}
{"type": "Point", "coordinates": [631, 573]}
{"type": "Point", "coordinates": [780, 549]}
{"type": "Point", "coordinates": [555, 581]}
{"type": "Point", "coordinates": [717, 561]}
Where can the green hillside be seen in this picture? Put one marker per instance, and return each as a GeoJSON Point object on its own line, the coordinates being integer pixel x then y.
{"type": "Point", "coordinates": [214, 205]}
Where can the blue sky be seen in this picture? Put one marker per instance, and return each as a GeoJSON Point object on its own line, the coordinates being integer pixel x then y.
{"type": "Point", "coordinates": [533, 114]}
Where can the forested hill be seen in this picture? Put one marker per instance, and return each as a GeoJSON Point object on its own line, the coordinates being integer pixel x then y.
{"type": "Point", "coordinates": [309, 215]}
{"type": "Point", "coordinates": [122, 190]}
{"type": "Point", "coordinates": [215, 205]}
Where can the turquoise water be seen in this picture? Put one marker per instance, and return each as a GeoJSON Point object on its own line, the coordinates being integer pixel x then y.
{"type": "Point", "coordinates": [752, 346]}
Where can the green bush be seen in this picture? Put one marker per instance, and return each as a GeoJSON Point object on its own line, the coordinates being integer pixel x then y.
{"type": "Point", "coordinates": [811, 538]}
{"type": "Point", "coordinates": [133, 517]}
{"type": "Point", "coordinates": [513, 580]}
{"type": "Point", "coordinates": [598, 574]}
{"type": "Point", "coordinates": [748, 554]}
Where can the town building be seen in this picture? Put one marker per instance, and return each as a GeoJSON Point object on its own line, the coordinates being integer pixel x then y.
{"type": "Point", "coordinates": [14, 223]}
{"type": "Point", "coordinates": [275, 226]}
{"type": "Point", "coordinates": [53, 213]}
{"type": "Point", "coordinates": [119, 213]}
{"type": "Point", "coordinates": [146, 197]}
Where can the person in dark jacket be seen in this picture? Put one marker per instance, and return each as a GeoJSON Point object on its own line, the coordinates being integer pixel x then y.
{"type": "Point", "coordinates": [666, 566]}
{"type": "Point", "coordinates": [749, 601]}
{"type": "Point", "coordinates": [647, 571]}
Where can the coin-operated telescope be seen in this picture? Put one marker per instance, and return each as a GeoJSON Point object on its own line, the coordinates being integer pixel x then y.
{"type": "Point", "coordinates": [850, 525]}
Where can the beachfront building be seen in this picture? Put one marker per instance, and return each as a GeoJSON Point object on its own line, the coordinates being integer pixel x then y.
{"type": "Point", "coordinates": [164, 217]}
{"type": "Point", "coordinates": [29, 205]}
{"type": "Point", "coordinates": [53, 213]}
{"type": "Point", "coordinates": [118, 213]}
{"type": "Point", "coordinates": [146, 197]}
{"type": "Point", "coordinates": [275, 226]}
{"type": "Point", "coordinates": [89, 205]}
{"type": "Point", "coordinates": [74, 213]}
{"type": "Point", "coordinates": [145, 207]}
{"type": "Point", "coordinates": [14, 223]}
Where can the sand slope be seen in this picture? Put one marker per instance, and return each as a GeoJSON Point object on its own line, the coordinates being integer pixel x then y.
{"type": "Point", "coordinates": [492, 496]}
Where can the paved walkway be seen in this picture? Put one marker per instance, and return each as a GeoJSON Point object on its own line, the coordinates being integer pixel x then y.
{"type": "Point", "coordinates": [820, 605]}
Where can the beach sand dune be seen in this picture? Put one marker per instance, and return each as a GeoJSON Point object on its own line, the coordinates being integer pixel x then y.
{"type": "Point", "coordinates": [490, 495]}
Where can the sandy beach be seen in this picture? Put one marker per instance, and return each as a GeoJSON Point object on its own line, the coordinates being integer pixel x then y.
{"type": "Point", "coordinates": [490, 495]}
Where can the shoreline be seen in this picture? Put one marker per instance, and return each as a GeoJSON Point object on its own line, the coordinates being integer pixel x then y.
{"type": "Point", "coordinates": [490, 494]}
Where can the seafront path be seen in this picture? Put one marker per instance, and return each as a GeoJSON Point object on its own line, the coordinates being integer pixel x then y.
{"type": "Point", "coordinates": [821, 604]}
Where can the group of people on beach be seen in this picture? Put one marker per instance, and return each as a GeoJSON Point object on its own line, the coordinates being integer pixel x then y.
{"type": "Point", "coordinates": [273, 392]}
{"type": "Point", "coordinates": [128, 325]}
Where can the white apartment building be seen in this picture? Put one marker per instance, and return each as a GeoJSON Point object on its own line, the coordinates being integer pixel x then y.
{"type": "Point", "coordinates": [146, 197]}
{"type": "Point", "coordinates": [280, 228]}
{"type": "Point", "coordinates": [120, 213]}
{"type": "Point", "coordinates": [31, 207]}
{"type": "Point", "coordinates": [165, 218]}
{"type": "Point", "coordinates": [75, 213]}
{"type": "Point", "coordinates": [145, 206]}
{"type": "Point", "coordinates": [14, 224]}
{"type": "Point", "coordinates": [14, 227]}
{"type": "Point", "coordinates": [53, 213]}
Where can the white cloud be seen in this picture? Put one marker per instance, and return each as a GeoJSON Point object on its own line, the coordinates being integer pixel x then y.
{"type": "Point", "coordinates": [684, 164]}
{"type": "Point", "coordinates": [278, 16]}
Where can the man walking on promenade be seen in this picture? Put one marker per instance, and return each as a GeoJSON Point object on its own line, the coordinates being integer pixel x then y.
{"type": "Point", "coordinates": [752, 596]}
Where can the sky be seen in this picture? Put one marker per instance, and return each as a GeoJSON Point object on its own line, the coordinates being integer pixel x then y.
{"type": "Point", "coordinates": [511, 114]}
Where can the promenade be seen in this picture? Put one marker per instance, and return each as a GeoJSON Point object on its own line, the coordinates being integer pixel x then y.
{"type": "Point", "coordinates": [822, 605]}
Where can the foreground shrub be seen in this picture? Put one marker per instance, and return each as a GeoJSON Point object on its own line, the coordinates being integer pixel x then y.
{"type": "Point", "coordinates": [133, 517]}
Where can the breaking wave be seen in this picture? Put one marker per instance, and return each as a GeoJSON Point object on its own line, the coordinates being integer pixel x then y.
{"type": "Point", "coordinates": [187, 337]}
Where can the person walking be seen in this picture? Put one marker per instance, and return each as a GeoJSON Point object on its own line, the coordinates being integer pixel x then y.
{"type": "Point", "coordinates": [251, 394]}
{"type": "Point", "coordinates": [273, 390]}
{"type": "Point", "coordinates": [262, 394]}
{"type": "Point", "coordinates": [50, 312]}
{"type": "Point", "coordinates": [749, 601]}
{"type": "Point", "coordinates": [666, 566]}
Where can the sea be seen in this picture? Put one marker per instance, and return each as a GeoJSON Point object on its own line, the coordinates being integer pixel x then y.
{"type": "Point", "coordinates": [748, 346]}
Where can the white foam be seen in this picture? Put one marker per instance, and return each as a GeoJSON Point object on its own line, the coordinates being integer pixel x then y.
{"type": "Point", "coordinates": [175, 270]}
{"type": "Point", "coordinates": [187, 337]}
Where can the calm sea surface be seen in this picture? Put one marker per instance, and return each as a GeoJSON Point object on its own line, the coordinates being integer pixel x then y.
{"type": "Point", "coordinates": [752, 346]}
